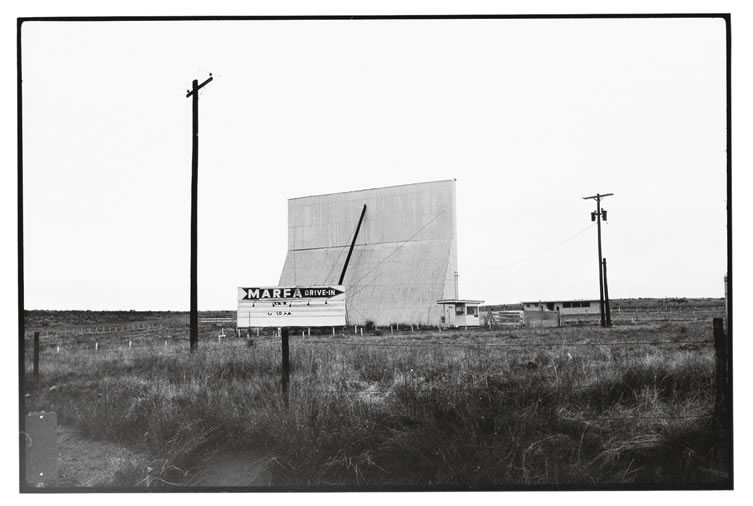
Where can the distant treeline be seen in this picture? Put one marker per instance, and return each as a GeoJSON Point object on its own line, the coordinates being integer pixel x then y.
{"type": "Point", "coordinates": [43, 317]}
{"type": "Point", "coordinates": [653, 304]}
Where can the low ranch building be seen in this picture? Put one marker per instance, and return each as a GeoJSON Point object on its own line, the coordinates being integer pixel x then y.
{"type": "Point", "coordinates": [564, 307]}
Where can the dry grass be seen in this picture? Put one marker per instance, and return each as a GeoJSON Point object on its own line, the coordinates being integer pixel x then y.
{"type": "Point", "coordinates": [435, 411]}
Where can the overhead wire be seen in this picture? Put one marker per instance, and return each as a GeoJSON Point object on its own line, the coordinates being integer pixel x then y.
{"type": "Point", "coordinates": [332, 267]}
{"type": "Point", "coordinates": [520, 260]}
{"type": "Point", "coordinates": [380, 262]}
{"type": "Point", "coordinates": [424, 345]}
{"type": "Point", "coordinates": [397, 248]}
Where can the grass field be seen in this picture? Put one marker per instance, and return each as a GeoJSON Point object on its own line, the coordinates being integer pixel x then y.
{"type": "Point", "coordinates": [573, 407]}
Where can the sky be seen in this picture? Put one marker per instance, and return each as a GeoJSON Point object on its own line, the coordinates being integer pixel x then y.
{"type": "Point", "coordinates": [528, 115]}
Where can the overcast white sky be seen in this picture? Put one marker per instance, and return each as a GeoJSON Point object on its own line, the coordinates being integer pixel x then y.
{"type": "Point", "coordinates": [528, 115]}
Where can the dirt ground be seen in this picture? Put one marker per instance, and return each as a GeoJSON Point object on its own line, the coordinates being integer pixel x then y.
{"type": "Point", "coordinates": [86, 463]}
{"type": "Point", "coordinates": [233, 469]}
{"type": "Point", "coordinates": [83, 462]}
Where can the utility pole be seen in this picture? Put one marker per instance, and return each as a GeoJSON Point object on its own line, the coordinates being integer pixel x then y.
{"type": "Point", "coordinates": [194, 94]}
{"type": "Point", "coordinates": [597, 216]}
{"type": "Point", "coordinates": [607, 310]}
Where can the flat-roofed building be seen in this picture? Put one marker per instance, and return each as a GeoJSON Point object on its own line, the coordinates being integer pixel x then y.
{"type": "Point", "coordinates": [564, 307]}
{"type": "Point", "coordinates": [460, 312]}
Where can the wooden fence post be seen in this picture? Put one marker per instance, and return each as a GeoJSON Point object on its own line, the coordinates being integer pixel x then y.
{"type": "Point", "coordinates": [721, 404]}
{"type": "Point", "coordinates": [285, 365]}
{"type": "Point", "coordinates": [36, 356]}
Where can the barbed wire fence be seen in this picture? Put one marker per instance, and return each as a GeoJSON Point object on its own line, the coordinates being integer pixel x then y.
{"type": "Point", "coordinates": [126, 338]}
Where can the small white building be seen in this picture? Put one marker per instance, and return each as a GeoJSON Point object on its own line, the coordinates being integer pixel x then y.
{"type": "Point", "coordinates": [459, 312]}
{"type": "Point", "coordinates": [564, 307]}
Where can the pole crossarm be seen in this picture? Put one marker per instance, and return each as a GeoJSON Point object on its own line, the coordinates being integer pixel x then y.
{"type": "Point", "coordinates": [598, 196]}
{"type": "Point", "coordinates": [190, 92]}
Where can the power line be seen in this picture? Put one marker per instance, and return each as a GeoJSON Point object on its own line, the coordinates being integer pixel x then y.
{"type": "Point", "coordinates": [397, 248]}
{"type": "Point", "coordinates": [344, 247]}
{"type": "Point", "coordinates": [424, 344]}
{"type": "Point", "coordinates": [535, 254]}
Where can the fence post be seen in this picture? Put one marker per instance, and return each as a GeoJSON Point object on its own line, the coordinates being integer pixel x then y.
{"type": "Point", "coordinates": [721, 403]}
{"type": "Point", "coordinates": [36, 356]}
{"type": "Point", "coordinates": [285, 365]}
{"type": "Point", "coordinates": [607, 311]}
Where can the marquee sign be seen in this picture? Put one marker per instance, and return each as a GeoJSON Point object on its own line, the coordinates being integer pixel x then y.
{"type": "Point", "coordinates": [291, 306]}
{"type": "Point", "coordinates": [290, 292]}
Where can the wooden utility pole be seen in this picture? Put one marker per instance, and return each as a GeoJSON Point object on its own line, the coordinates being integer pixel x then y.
{"type": "Point", "coordinates": [194, 94]}
{"type": "Point", "coordinates": [597, 216]}
{"type": "Point", "coordinates": [606, 295]}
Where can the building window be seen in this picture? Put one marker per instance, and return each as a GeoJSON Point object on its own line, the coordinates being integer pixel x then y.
{"type": "Point", "coordinates": [567, 304]}
{"type": "Point", "coordinates": [459, 310]}
{"type": "Point", "coordinates": [473, 310]}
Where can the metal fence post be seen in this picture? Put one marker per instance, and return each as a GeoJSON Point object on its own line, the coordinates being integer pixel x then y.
{"type": "Point", "coordinates": [36, 356]}
{"type": "Point", "coordinates": [721, 403]}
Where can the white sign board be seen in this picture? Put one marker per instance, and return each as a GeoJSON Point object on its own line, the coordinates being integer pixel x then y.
{"type": "Point", "coordinates": [291, 306]}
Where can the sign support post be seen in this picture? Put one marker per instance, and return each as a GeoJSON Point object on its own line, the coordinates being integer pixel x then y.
{"type": "Point", "coordinates": [285, 365]}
